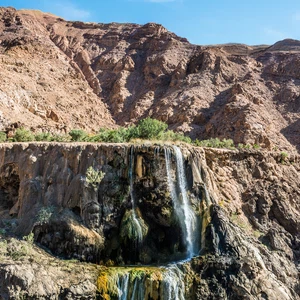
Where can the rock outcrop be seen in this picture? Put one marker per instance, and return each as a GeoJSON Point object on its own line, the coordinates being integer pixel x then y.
{"type": "Point", "coordinates": [59, 75]}
{"type": "Point", "coordinates": [247, 204]}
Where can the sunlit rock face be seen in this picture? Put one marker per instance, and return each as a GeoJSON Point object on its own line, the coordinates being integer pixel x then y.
{"type": "Point", "coordinates": [60, 75]}
{"type": "Point", "coordinates": [169, 222]}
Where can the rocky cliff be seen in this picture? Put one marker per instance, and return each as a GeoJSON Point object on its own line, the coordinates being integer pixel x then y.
{"type": "Point", "coordinates": [243, 208]}
{"type": "Point", "coordinates": [59, 75]}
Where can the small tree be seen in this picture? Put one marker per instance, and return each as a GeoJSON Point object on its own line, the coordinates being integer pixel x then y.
{"type": "Point", "coordinates": [149, 129]}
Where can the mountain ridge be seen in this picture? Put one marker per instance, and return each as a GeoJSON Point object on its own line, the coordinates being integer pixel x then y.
{"type": "Point", "coordinates": [117, 74]}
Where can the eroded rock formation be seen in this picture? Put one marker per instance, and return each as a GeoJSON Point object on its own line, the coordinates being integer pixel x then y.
{"type": "Point", "coordinates": [247, 203]}
{"type": "Point", "coordinates": [59, 75]}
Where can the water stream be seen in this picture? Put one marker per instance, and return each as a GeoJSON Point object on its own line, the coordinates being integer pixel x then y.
{"type": "Point", "coordinates": [142, 283]}
{"type": "Point", "coordinates": [136, 224]}
{"type": "Point", "coordinates": [181, 203]}
{"type": "Point", "coordinates": [162, 282]}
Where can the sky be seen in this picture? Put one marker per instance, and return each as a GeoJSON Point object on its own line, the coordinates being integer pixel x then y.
{"type": "Point", "coordinates": [202, 22]}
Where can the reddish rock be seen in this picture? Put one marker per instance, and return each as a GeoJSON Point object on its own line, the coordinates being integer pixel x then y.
{"type": "Point", "coordinates": [121, 73]}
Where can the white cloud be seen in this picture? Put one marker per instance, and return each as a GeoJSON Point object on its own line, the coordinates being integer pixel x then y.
{"type": "Point", "coordinates": [69, 11]}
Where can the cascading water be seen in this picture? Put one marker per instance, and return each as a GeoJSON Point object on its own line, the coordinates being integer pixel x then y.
{"type": "Point", "coordinates": [164, 282]}
{"type": "Point", "coordinates": [142, 283]}
{"type": "Point", "coordinates": [136, 224]}
{"type": "Point", "coordinates": [182, 206]}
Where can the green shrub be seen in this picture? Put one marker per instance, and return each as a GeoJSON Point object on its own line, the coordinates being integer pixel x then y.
{"type": "Point", "coordinates": [44, 136]}
{"type": "Point", "coordinates": [3, 137]}
{"type": "Point", "coordinates": [170, 135]}
{"type": "Point", "coordinates": [93, 177]}
{"type": "Point", "coordinates": [149, 129]}
{"type": "Point", "coordinates": [216, 143]}
{"type": "Point", "coordinates": [3, 248]}
{"type": "Point", "coordinates": [120, 135]}
{"type": "Point", "coordinates": [45, 214]}
{"type": "Point", "coordinates": [23, 135]}
{"type": "Point", "coordinates": [283, 157]}
{"type": "Point", "coordinates": [256, 146]}
{"type": "Point", "coordinates": [19, 252]}
{"type": "Point", "coordinates": [61, 138]}
{"type": "Point", "coordinates": [29, 238]}
{"type": "Point", "coordinates": [78, 135]}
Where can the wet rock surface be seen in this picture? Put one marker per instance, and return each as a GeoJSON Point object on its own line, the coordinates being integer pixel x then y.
{"type": "Point", "coordinates": [247, 203]}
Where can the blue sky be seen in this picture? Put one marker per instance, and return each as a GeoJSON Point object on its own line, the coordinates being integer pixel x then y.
{"type": "Point", "coordinates": [200, 21]}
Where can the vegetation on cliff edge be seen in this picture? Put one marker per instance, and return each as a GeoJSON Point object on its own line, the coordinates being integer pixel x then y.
{"type": "Point", "coordinates": [146, 129]}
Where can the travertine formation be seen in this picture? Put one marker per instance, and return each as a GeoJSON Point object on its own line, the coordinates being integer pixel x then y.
{"type": "Point", "coordinates": [207, 223]}
{"type": "Point", "coordinates": [59, 75]}
{"type": "Point", "coordinates": [247, 201]}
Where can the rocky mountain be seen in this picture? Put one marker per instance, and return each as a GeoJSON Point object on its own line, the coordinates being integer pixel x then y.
{"type": "Point", "coordinates": [59, 75]}
{"type": "Point", "coordinates": [156, 220]}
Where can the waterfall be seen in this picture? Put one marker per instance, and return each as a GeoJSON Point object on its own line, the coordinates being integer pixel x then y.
{"type": "Point", "coordinates": [123, 286]}
{"type": "Point", "coordinates": [140, 283]}
{"type": "Point", "coordinates": [182, 206]}
{"type": "Point", "coordinates": [173, 284]}
{"type": "Point", "coordinates": [136, 224]}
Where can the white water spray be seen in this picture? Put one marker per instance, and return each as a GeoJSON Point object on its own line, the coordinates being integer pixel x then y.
{"type": "Point", "coordinates": [182, 206]}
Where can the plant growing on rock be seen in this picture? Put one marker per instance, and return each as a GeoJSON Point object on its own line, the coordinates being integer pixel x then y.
{"type": "Point", "coordinates": [131, 225]}
{"type": "Point", "coordinates": [120, 135]}
{"type": "Point", "coordinates": [3, 247]}
{"type": "Point", "coordinates": [61, 138]}
{"type": "Point", "coordinates": [216, 143]}
{"type": "Point", "coordinates": [23, 135]}
{"type": "Point", "coordinates": [29, 238]}
{"type": "Point", "coordinates": [45, 214]}
{"type": "Point", "coordinates": [93, 177]}
{"type": "Point", "coordinates": [3, 137]}
{"type": "Point", "coordinates": [149, 129]}
{"type": "Point", "coordinates": [283, 157]}
{"type": "Point", "coordinates": [78, 135]}
{"type": "Point", "coordinates": [170, 135]}
{"type": "Point", "coordinates": [43, 136]}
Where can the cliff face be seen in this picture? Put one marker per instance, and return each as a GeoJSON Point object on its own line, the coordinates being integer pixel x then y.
{"type": "Point", "coordinates": [249, 94]}
{"type": "Point", "coordinates": [243, 207]}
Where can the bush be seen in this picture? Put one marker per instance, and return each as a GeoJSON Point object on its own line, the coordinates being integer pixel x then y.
{"type": "Point", "coordinates": [120, 135]}
{"type": "Point", "coordinates": [93, 177]}
{"type": "Point", "coordinates": [29, 238]}
{"type": "Point", "coordinates": [23, 135]}
{"type": "Point", "coordinates": [3, 247]}
{"type": "Point", "coordinates": [149, 129]}
{"type": "Point", "coordinates": [78, 135]}
{"type": "Point", "coordinates": [3, 137]}
{"type": "Point", "coordinates": [170, 135]}
{"type": "Point", "coordinates": [44, 136]}
{"type": "Point", "coordinates": [45, 214]}
{"type": "Point", "coordinates": [283, 157]}
{"type": "Point", "coordinates": [61, 138]}
{"type": "Point", "coordinates": [216, 143]}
